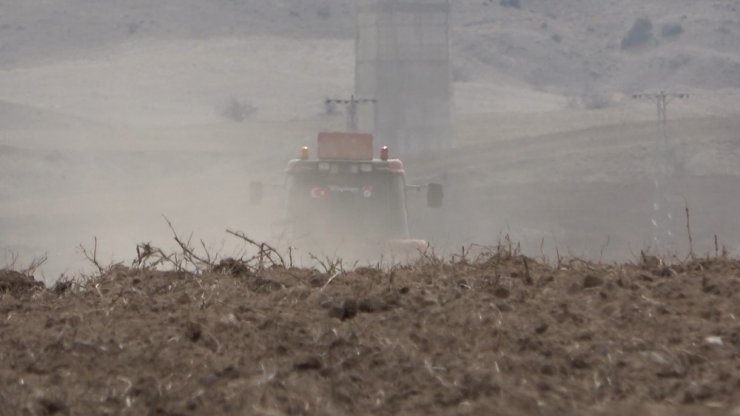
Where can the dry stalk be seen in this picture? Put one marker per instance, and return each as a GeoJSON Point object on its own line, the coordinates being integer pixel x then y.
{"type": "Point", "coordinates": [330, 266]}
{"type": "Point", "coordinates": [688, 229]}
{"type": "Point", "coordinates": [331, 279]}
{"type": "Point", "coordinates": [13, 260]}
{"type": "Point", "coordinates": [603, 248]}
{"type": "Point", "coordinates": [35, 264]}
{"type": "Point", "coordinates": [529, 280]}
{"type": "Point", "coordinates": [93, 257]}
{"type": "Point", "coordinates": [266, 251]}
{"type": "Point", "coordinates": [30, 270]}
{"type": "Point", "coordinates": [542, 250]}
{"type": "Point", "coordinates": [484, 253]}
{"type": "Point", "coordinates": [150, 257]}
{"type": "Point", "coordinates": [716, 246]}
{"type": "Point", "coordinates": [189, 253]}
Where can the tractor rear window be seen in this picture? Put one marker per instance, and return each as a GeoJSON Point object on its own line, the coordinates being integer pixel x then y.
{"type": "Point", "coordinates": [348, 204]}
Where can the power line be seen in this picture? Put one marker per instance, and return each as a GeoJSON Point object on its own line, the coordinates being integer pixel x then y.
{"type": "Point", "coordinates": [351, 105]}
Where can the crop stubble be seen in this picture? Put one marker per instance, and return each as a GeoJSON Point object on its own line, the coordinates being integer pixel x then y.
{"type": "Point", "coordinates": [501, 335]}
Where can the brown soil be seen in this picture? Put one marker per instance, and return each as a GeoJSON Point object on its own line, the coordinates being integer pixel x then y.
{"type": "Point", "coordinates": [501, 336]}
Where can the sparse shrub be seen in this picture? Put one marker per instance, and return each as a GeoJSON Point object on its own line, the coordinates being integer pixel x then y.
{"type": "Point", "coordinates": [235, 109]}
{"type": "Point", "coordinates": [511, 3]}
{"type": "Point", "coordinates": [640, 34]}
{"type": "Point", "coordinates": [672, 29]}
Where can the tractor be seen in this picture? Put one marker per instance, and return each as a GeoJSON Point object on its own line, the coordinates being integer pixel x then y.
{"type": "Point", "coordinates": [345, 202]}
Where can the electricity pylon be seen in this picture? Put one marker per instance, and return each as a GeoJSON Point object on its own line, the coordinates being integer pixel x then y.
{"type": "Point", "coordinates": [665, 164]}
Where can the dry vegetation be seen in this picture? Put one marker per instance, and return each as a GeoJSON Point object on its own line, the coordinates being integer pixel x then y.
{"type": "Point", "coordinates": [488, 331]}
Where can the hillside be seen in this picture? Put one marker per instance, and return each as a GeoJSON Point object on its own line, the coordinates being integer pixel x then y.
{"type": "Point", "coordinates": [572, 46]}
{"type": "Point", "coordinates": [114, 114]}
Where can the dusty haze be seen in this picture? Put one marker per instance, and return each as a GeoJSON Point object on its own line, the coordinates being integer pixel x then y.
{"type": "Point", "coordinates": [113, 114]}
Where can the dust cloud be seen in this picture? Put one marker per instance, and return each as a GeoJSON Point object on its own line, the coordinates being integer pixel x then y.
{"type": "Point", "coordinates": [113, 115]}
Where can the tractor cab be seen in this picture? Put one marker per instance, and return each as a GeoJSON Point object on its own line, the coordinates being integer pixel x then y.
{"type": "Point", "coordinates": [348, 198]}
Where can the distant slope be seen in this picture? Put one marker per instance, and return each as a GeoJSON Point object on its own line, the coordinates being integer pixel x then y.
{"type": "Point", "coordinates": [42, 31]}
{"type": "Point", "coordinates": [188, 82]}
{"type": "Point", "coordinates": [622, 152]}
{"type": "Point", "coordinates": [15, 116]}
{"type": "Point", "coordinates": [576, 45]}
{"type": "Point", "coordinates": [571, 46]}
{"type": "Point", "coordinates": [579, 189]}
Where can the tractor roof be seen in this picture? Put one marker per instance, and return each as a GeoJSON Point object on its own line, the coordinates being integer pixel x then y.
{"type": "Point", "coordinates": [345, 146]}
{"type": "Point", "coordinates": [346, 166]}
{"type": "Point", "coordinates": [345, 152]}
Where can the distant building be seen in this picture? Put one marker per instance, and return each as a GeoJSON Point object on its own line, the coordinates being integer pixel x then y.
{"type": "Point", "coordinates": [403, 62]}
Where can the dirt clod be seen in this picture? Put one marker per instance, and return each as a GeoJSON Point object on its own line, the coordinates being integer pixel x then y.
{"type": "Point", "coordinates": [345, 309]}
{"type": "Point", "coordinates": [591, 281]}
{"type": "Point", "coordinates": [502, 293]}
{"type": "Point", "coordinates": [53, 407]}
{"type": "Point", "coordinates": [193, 332]}
{"type": "Point", "coordinates": [308, 363]}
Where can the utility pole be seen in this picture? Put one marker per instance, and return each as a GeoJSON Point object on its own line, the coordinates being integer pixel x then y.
{"type": "Point", "coordinates": [351, 106]}
{"type": "Point", "coordinates": [665, 162]}
{"type": "Point", "coordinates": [661, 99]}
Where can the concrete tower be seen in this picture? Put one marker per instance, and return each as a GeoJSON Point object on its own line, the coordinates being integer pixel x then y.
{"type": "Point", "coordinates": [403, 63]}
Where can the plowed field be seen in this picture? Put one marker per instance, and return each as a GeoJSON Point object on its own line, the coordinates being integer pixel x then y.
{"type": "Point", "coordinates": [502, 335]}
